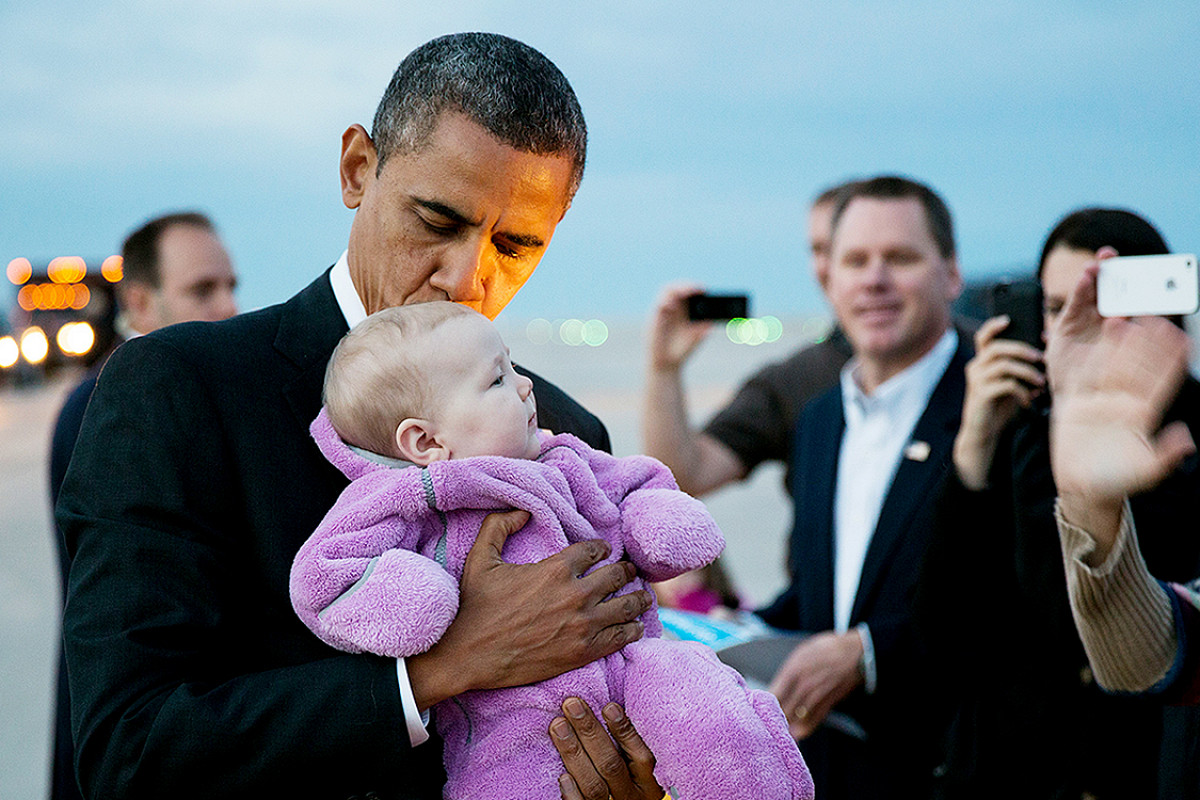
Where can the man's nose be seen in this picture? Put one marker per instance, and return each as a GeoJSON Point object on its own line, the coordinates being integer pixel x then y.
{"type": "Point", "coordinates": [876, 272]}
{"type": "Point", "coordinates": [461, 274]}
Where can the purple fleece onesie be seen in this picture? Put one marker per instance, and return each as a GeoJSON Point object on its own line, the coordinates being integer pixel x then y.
{"type": "Point", "coordinates": [380, 574]}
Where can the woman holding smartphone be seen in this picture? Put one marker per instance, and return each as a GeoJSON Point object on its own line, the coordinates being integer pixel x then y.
{"type": "Point", "coordinates": [1030, 720]}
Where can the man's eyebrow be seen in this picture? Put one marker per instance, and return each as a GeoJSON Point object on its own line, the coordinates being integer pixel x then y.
{"type": "Point", "coordinates": [526, 240]}
{"type": "Point", "coordinates": [452, 214]}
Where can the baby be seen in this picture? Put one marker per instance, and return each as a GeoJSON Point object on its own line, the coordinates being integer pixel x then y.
{"type": "Point", "coordinates": [426, 416]}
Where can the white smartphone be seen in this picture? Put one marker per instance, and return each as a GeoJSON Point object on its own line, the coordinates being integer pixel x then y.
{"type": "Point", "coordinates": [1145, 286]}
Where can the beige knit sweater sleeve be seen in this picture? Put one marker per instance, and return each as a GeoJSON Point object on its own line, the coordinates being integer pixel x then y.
{"type": "Point", "coordinates": [1123, 615]}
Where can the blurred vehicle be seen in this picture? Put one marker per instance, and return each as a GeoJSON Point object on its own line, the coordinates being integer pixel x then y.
{"type": "Point", "coordinates": [62, 314]}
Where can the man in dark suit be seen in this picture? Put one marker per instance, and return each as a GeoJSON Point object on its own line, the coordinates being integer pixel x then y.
{"type": "Point", "coordinates": [867, 458]}
{"type": "Point", "coordinates": [195, 481]}
{"type": "Point", "coordinates": [175, 269]}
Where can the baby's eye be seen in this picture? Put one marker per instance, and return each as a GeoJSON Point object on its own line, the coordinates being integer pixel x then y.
{"type": "Point", "coordinates": [499, 380]}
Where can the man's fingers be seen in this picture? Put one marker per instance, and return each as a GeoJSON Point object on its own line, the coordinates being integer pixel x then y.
{"type": "Point", "coordinates": [582, 556]}
{"type": "Point", "coordinates": [568, 789]}
{"type": "Point", "coordinates": [613, 637]}
{"type": "Point", "coordinates": [637, 755]}
{"type": "Point", "coordinates": [599, 757]}
{"type": "Point", "coordinates": [493, 533]}
{"type": "Point", "coordinates": [582, 780]}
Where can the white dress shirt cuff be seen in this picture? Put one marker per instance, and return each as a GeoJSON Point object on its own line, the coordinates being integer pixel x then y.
{"type": "Point", "coordinates": [416, 721]}
{"type": "Point", "coordinates": [866, 664]}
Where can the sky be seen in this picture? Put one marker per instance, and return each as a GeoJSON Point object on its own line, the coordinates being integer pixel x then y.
{"type": "Point", "coordinates": [711, 126]}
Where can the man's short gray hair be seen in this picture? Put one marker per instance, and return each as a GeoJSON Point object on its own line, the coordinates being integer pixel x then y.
{"type": "Point", "coordinates": [506, 87]}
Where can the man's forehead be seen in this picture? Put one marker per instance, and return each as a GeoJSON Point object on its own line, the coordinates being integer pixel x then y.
{"type": "Point", "coordinates": [189, 243]}
{"type": "Point", "coordinates": [871, 220]}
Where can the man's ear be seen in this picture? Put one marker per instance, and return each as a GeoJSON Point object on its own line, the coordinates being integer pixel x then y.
{"type": "Point", "coordinates": [956, 279]}
{"type": "Point", "coordinates": [356, 167]}
{"type": "Point", "coordinates": [137, 301]}
{"type": "Point", "coordinates": [417, 442]}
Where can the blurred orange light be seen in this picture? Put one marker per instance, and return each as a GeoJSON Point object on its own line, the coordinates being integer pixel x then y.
{"type": "Point", "coordinates": [19, 271]}
{"type": "Point", "coordinates": [82, 296]}
{"type": "Point", "coordinates": [27, 298]}
{"type": "Point", "coordinates": [9, 352]}
{"type": "Point", "coordinates": [67, 269]}
{"type": "Point", "coordinates": [34, 345]}
{"type": "Point", "coordinates": [113, 269]}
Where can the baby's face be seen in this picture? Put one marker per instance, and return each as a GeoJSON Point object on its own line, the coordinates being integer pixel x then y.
{"type": "Point", "coordinates": [483, 407]}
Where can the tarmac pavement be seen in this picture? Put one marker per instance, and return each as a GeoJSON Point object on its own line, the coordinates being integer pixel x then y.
{"type": "Point", "coordinates": [29, 591]}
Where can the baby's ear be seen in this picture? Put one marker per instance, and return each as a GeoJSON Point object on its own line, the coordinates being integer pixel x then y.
{"type": "Point", "coordinates": [418, 443]}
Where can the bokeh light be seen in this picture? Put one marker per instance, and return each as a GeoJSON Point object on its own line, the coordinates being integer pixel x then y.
{"type": "Point", "coordinates": [19, 271]}
{"type": "Point", "coordinates": [67, 269]}
{"type": "Point", "coordinates": [34, 345]}
{"type": "Point", "coordinates": [9, 351]}
{"type": "Point", "coordinates": [28, 297]}
{"type": "Point", "coordinates": [595, 333]}
{"type": "Point", "coordinates": [571, 332]}
{"type": "Point", "coordinates": [815, 328]}
{"type": "Point", "coordinates": [82, 295]}
{"type": "Point", "coordinates": [774, 328]}
{"type": "Point", "coordinates": [76, 338]}
{"type": "Point", "coordinates": [539, 331]}
{"type": "Point", "coordinates": [113, 269]}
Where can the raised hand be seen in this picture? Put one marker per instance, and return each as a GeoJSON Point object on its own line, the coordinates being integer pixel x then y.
{"type": "Point", "coordinates": [1112, 380]}
{"type": "Point", "coordinates": [673, 336]}
{"type": "Point", "coordinates": [1003, 377]}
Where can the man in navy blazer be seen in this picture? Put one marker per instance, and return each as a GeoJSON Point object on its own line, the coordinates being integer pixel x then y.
{"type": "Point", "coordinates": [194, 482]}
{"type": "Point", "coordinates": [867, 458]}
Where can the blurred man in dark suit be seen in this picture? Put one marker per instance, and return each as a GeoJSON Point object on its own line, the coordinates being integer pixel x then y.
{"type": "Point", "coordinates": [175, 269]}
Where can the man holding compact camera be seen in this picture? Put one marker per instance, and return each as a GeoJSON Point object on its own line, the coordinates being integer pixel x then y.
{"type": "Point", "coordinates": [865, 458]}
{"type": "Point", "coordinates": [757, 425]}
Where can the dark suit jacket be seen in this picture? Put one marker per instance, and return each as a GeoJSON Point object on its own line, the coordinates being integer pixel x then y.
{"type": "Point", "coordinates": [66, 430]}
{"type": "Point", "coordinates": [193, 484]}
{"type": "Point", "coordinates": [994, 612]}
{"type": "Point", "coordinates": [898, 750]}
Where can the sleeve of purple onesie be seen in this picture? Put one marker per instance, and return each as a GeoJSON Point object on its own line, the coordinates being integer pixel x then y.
{"type": "Point", "coordinates": [358, 582]}
{"type": "Point", "coordinates": [666, 531]}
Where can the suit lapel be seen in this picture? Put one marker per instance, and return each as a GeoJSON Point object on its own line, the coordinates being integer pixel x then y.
{"type": "Point", "coordinates": [818, 443]}
{"type": "Point", "coordinates": [310, 326]}
{"type": "Point", "coordinates": [921, 468]}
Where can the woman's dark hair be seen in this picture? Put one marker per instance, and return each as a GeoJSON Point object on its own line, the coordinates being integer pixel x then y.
{"type": "Point", "coordinates": [1093, 228]}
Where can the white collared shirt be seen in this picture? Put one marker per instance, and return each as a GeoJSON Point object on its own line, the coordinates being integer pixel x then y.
{"type": "Point", "coordinates": [344, 292]}
{"type": "Point", "coordinates": [878, 430]}
{"type": "Point", "coordinates": [354, 311]}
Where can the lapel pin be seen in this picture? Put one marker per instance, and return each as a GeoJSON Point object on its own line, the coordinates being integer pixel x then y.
{"type": "Point", "coordinates": [917, 451]}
